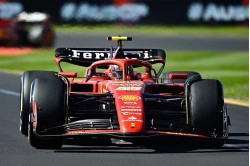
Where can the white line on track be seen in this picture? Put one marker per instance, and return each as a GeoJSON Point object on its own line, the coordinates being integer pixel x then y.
{"type": "Point", "coordinates": [243, 149]}
{"type": "Point", "coordinates": [8, 92]}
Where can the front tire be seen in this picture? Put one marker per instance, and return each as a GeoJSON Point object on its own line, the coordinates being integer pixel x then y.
{"type": "Point", "coordinates": [206, 109]}
{"type": "Point", "coordinates": [26, 80]}
{"type": "Point", "coordinates": [39, 143]}
{"type": "Point", "coordinates": [48, 98]}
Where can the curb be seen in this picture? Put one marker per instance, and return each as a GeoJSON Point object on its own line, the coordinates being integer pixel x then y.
{"type": "Point", "coordinates": [236, 102]}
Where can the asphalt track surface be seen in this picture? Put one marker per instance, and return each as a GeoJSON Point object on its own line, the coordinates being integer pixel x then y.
{"type": "Point", "coordinates": [166, 42]}
{"type": "Point", "coordinates": [16, 151]}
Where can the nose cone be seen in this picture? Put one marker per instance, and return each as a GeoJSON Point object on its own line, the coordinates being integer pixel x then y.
{"type": "Point", "coordinates": [129, 106]}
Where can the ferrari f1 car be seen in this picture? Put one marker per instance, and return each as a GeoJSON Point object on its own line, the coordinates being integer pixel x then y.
{"type": "Point", "coordinates": [123, 95]}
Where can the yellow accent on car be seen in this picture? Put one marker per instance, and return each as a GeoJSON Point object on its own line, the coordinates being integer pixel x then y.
{"type": "Point", "coordinates": [129, 97]}
{"type": "Point", "coordinates": [116, 38]}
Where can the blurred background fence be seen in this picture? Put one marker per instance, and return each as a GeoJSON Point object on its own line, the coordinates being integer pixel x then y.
{"type": "Point", "coordinates": [167, 12]}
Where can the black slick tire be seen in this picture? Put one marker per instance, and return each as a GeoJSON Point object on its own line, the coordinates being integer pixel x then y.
{"type": "Point", "coordinates": [49, 96]}
{"type": "Point", "coordinates": [26, 80]}
{"type": "Point", "coordinates": [206, 108]}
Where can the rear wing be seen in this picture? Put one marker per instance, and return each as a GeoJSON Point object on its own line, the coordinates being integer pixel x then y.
{"type": "Point", "coordinates": [33, 17]}
{"type": "Point", "coordinates": [86, 56]}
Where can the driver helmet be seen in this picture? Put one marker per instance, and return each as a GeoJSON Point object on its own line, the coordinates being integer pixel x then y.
{"type": "Point", "coordinates": [115, 72]}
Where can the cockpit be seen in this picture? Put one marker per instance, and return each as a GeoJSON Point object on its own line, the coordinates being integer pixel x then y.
{"type": "Point", "coordinates": [120, 69]}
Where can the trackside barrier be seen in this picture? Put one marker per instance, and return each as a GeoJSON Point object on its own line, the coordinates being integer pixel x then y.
{"type": "Point", "coordinates": [180, 12]}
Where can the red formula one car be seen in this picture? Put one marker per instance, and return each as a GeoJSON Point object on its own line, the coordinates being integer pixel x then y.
{"type": "Point", "coordinates": [27, 29]}
{"type": "Point", "coordinates": [120, 96]}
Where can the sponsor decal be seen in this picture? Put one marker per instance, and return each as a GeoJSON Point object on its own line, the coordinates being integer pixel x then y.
{"type": "Point", "coordinates": [124, 84]}
{"type": "Point", "coordinates": [131, 113]}
{"type": "Point", "coordinates": [132, 118]}
{"type": "Point", "coordinates": [129, 120]}
{"type": "Point", "coordinates": [129, 97]}
{"type": "Point", "coordinates": [90, 54]}
{"type": "Point", "coordinates": [130, 102]}
{"type": "Point", "coordinates": [131, 107]}
{"type": "Point", "coordinates": [132, 110]}
{"type": "Point", "coordinates": [104, 54]}
{"type": "Point", "coordinates": [215, 12]}
{"type": "Point", "coordinates": [129, 88]}
{"type": "Point", "coordinates": [84, 11]}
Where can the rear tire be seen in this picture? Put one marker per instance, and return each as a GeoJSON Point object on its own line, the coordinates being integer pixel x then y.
{"type": "Point", "coordinates": [26, 80]}
{"type": "Point", "coordinates": [49, 96]}
{"type": "Point", "coordinates": [166, 79]}
{"type": "Point", "coordinates": [206, 108]}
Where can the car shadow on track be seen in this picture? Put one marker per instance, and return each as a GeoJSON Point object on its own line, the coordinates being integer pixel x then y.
{"type": "Point", "coordinates": [236, 144]}
{"type": "Point", "coordinates": [144, 150]}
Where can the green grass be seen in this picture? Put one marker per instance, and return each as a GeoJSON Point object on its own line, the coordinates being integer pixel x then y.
{"type": "Point", "coordinates": [231, 68]}
{"type": "Point", "coordinates": [241, 31]}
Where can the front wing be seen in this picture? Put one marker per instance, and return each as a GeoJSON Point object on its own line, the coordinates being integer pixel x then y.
{"type": "Point", "coordinates": [122, 135]}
